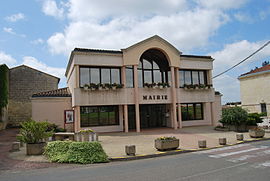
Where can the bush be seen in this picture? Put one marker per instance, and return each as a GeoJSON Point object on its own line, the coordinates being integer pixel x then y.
{"type": "Point", "coordinates": [55, 128]}
{"type": "Point", "coordinates": [75, 152]}
{"type": "Point", "coordinates": [253, 119]}
{"type": "Point", "coordinates": [234, 116]}
{"type": "Point", "coordinates": [33, 132]}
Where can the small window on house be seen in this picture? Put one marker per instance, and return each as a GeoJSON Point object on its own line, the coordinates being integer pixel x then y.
{"type": "Point", "coordinates": [263, 108]}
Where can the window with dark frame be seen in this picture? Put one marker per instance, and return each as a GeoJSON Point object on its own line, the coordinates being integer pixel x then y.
{"type": "Point", "coordinates": [99, 116]}
{"type": "Point", "coordinates": [192, 77]}
{"type": "Point", "coordinates": [150, 72]}
{"type": "Point", "coordinates": [100, 75]}
{"type": "Point", "coordinates": [263, 108]}
{"type": "Point", "coordinates": [129, 76]}
{"type": "Point", "coordinates": [192, 111]}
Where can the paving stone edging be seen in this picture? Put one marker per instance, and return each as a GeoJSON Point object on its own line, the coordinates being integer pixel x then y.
{"type": "Point", "coordinates": [179, 151]}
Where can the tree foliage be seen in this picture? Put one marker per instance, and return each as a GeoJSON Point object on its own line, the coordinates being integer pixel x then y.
{"type": "Point", "coordinates": [234, 116]}
{"type": "Point", "coordinates": [3, 86]}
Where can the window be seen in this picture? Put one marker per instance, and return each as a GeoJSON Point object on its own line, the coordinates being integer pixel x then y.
{"type": "Point", "coordinates": [99, 75]}
{"type": "Point", "coordinates": [192, 77]}
{"type": "Point", "coordinates": [129, 76]}
{"type": "Point", "coordinates": [99, 116]}
{"type": "Point", "coordinates": [192, 111]}
{"type": "Point", "coordinates": [150, 72]}
{"type": "Point", "coordinates": [263, 108]}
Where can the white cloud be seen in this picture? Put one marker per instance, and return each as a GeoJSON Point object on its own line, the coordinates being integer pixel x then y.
{"type": "Point", "coordinates": [233, 53]}
{"type": "Point", "coordinates": [37, 41]}
{"type": "Point", "coordinates": [105, 24]}
{"type": "Point", "coordinates": [222, 4]}
{"type": "Point", "coordinates": [9, 30]}
{"type": "Point", "coordinates": [50, 8]}
{"type": "Point", "coordinates": [229, 87]}
{"type": "Point", "coordinates": [15, 17]}
{"type": "Point", "coordinates": [7, 59]}
{"type": "Point", "coordinates": [243, 18]}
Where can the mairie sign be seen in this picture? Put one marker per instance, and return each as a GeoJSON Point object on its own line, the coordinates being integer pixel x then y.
{"type": "Point", "coordinates": [155, 97]}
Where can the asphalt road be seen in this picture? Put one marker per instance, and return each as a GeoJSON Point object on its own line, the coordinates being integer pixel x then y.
{"type": "Point", "coordinates": [242, 162]}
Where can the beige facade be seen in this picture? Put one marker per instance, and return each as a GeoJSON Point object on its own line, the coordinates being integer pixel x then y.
{"type": "Point", "coordinates": [254, 89]}
{"type": "Point", "coordinates": [137, 105]}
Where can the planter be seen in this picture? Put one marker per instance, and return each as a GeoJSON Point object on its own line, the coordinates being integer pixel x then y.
{"type": "Point", "coordinates": [256, 133]}
{"type": "Point", "coordinates": [35, 148]}
{"type": "Point", "coordinates": [87, 137]}
{"type": "Point", "coordinates": [166, 144]}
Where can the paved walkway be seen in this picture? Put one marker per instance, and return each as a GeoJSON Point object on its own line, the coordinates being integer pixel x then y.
{"type": "Point", "coordinates": [114, 143]}
{"type": "Point", "coordinates": [7, 163]}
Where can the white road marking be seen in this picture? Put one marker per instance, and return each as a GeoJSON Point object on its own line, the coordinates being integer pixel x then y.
{"type": "Point", "coordinates": [223, 148]}
{"type": "Point", "coordinates": [245, 157]}
{"type": "Point", "coordinates": [236, 152]}
{"type": "Point", "coordinates": [212, 171]}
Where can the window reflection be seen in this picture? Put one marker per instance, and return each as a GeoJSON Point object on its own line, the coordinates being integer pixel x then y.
{"type": "Point", "coordinates": [192, 77]}
{"type": "Point", "coordinates": [129, 76]}
{"type": "Point", "coordinates": [99, 75]}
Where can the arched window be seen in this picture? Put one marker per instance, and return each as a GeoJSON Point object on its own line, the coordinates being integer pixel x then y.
{"type": "Point", "coordinates": [153, 68]}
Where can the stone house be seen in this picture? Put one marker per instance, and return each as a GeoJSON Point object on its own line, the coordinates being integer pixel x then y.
{"type": "Point", "coordinates": [24, 81]}
{"type": "Point", "coordinates": [254, 90]}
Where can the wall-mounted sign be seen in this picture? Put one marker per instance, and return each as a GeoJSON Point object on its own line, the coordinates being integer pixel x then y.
{"type": "Point", "coordinates": [155, 97]}
{"type": "Point", "coordinates": [69, 116]}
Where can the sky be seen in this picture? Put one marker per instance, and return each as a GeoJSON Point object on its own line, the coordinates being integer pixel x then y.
{"type": "Point", "coordinates": [42, 33]}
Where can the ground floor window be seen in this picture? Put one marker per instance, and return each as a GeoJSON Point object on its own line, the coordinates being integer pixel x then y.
{"type": "Point", "coordinates": [99, 115]}
{"type": "Point", "coordinates": [192, 111]}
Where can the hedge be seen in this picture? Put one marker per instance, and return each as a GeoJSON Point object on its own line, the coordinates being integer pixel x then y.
{"type": "Point", "coordinates": [75, 152]}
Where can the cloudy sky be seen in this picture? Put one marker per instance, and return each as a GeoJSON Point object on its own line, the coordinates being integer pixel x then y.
{"type": "Point", "coordinates": [42, 33]}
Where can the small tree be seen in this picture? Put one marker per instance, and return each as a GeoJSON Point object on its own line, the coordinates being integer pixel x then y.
{"type": "Point", "coordinates": [253, 119]}
{"type": "Point", "coordinates": [236, 116]}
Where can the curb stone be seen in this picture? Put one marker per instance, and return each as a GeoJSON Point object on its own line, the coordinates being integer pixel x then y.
{"type": "Point", "coordinates": [180, 151]}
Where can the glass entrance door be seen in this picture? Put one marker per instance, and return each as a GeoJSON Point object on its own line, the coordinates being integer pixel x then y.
{"type": "Point", "coordinates": [152, 115]}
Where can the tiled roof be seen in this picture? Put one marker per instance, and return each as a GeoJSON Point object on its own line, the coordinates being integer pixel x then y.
{"type": "Point", "coordinates": [196, 56]}
{"type": "Point", "coordinates": [97, 50]}
{"type": "Point", "coordinates": [63, 92]}
{"type": "Point", "coordinates": [261, 69]}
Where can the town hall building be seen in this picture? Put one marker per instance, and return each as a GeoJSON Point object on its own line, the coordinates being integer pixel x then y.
{"type": "Point", "coordinates": [150, 84]}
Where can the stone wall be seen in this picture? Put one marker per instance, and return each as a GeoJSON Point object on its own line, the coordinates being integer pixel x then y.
{"type": "Point", "coordinates": [23, 83]}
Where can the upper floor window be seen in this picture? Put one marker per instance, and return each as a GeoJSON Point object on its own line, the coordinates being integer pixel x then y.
{"type": "Point", "coordinates": [129, 76]}
{"type": "Point", "coordinates": [153, 68]}
{"type": "Point", "coordinates": [99, 75]}
{"type": "Point", "coordinates": [192, 77]}
{"type": "Point", "coordinates": [263, 108]}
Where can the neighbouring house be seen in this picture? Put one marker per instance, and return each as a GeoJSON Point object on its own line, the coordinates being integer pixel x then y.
{"type": "Point", "coordinates": [254, 89]}
{"type": "Point", "coordinates": [150, 84]}
{"type": "Point", "coordinates": [24, 81]}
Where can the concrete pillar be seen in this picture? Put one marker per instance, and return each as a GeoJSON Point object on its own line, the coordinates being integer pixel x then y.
{"type": "Point", "coordinates": [179, 115]}
{"type": "Point", "coordinates": [212, 114]}
{"type": "Point", "coordinates": [136, 97]}
{"type": "Point", "coordinates": [173, 90]}
{"type": "Point", "coordinates": [77, 123]}
{"type": "Point", "coordinates": [123, 77]}
{"type": "Point", "coordinates": [126, 117]}
{"type": "Point", "coordinates": [209, 77]}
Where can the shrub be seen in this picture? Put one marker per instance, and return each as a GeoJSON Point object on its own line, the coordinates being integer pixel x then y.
{"type": "Point", "coordinates": [234, 116]}
{"type": "Point", "coordinates": [253, 119]}
{"type": "Point", "coordinates": [34, 132]}
{"type": "Point", "coordinates": [55, 128]}
{"type": "Point", "coordinates": [166, 138]}
{"type": "Point", "coordinates": [75, 152]}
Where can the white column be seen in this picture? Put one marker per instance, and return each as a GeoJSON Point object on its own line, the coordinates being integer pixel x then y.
{"type": "Point", "coordinates": [126, 117]}
{"type": "Point", "coordinates": [173, 92]}
{"type": "Point", "coordinates": [136, 97]}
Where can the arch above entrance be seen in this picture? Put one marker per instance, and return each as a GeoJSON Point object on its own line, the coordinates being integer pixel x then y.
{"type": "Point", "coordinates": [132, 54]}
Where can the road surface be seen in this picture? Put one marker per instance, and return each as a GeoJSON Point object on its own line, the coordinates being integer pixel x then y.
{"type": "Point", "coordinates": [241, 162]}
